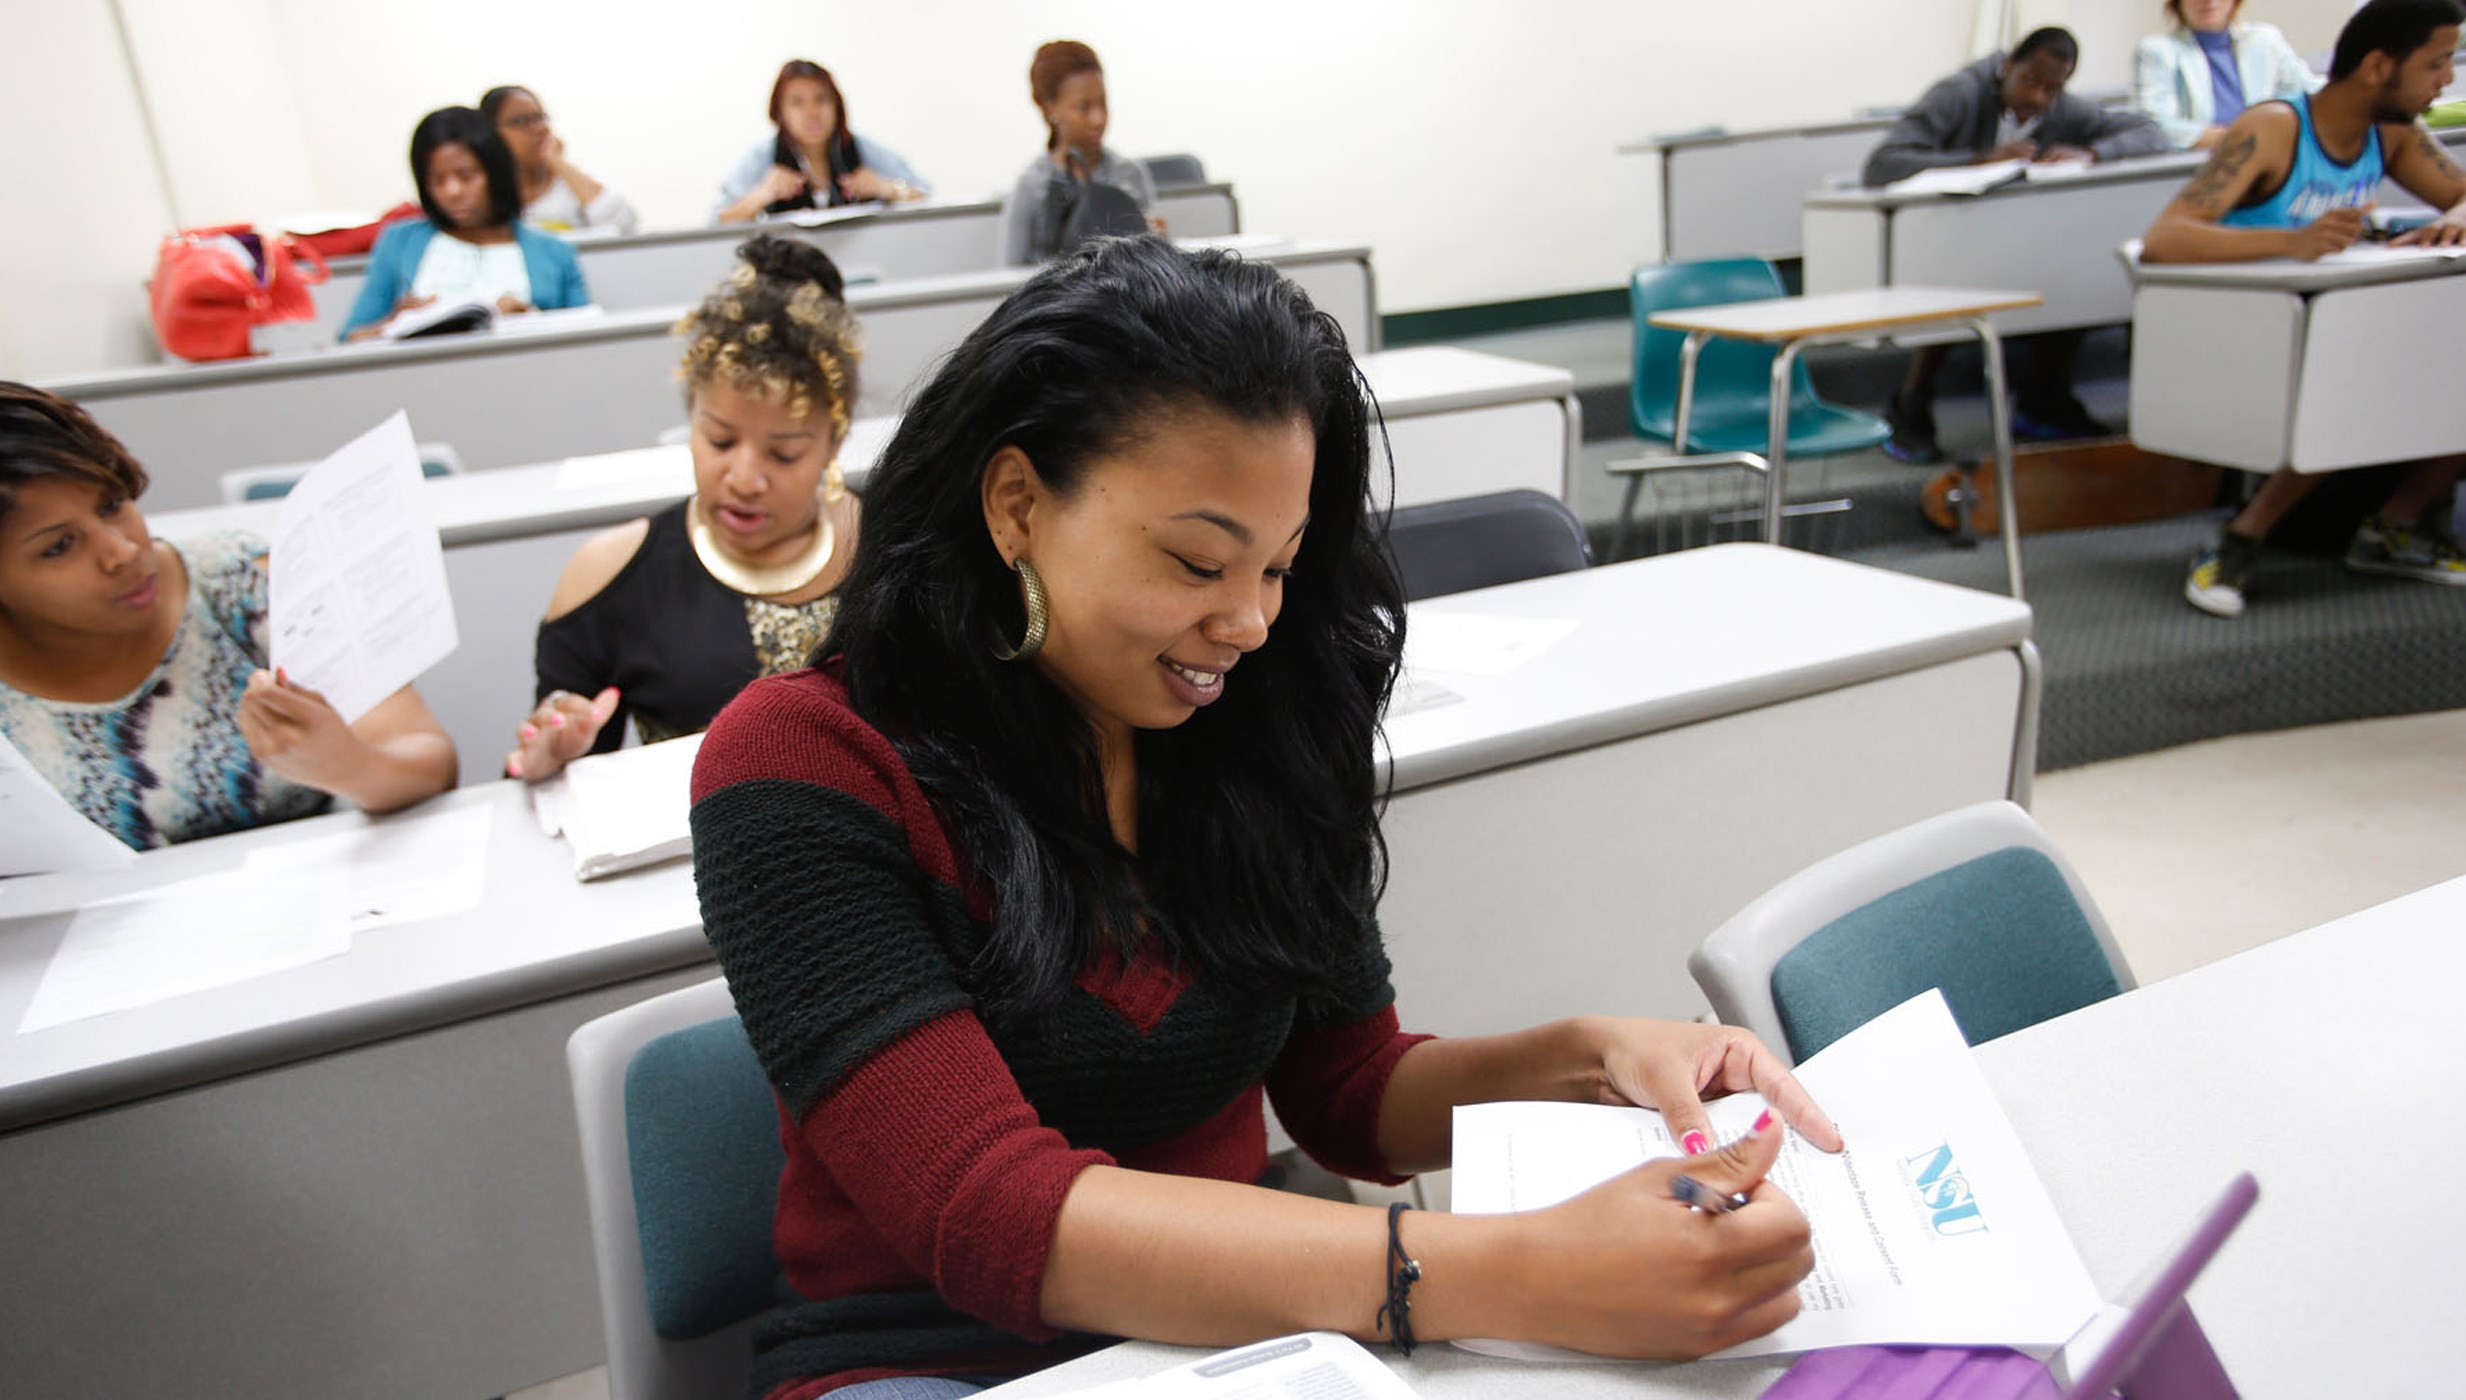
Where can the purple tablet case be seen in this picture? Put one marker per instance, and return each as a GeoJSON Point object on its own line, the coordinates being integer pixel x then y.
{"type": "Point", "coordinates": [2157, 1353]}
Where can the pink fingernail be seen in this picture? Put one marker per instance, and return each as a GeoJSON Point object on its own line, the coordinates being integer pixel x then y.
{"type": "Point", "coordinates": [556, 721]}
{"type": "Point", "coordinates": [513, 767]}
{"type": "Point", "coordinates": [1763, 1120]}
{"type": "Point", "coordinates": [530, 731]}
{"type": "Point", "coordinates": [1695, 1144]}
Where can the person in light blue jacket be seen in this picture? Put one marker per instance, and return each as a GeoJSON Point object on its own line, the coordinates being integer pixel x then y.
{"type": "Point", "coordinates": [2199, 76]}
{"type": "Point", "coordinates": [465, 176]}
{"type": "Point", "coordinates": [812, 159]}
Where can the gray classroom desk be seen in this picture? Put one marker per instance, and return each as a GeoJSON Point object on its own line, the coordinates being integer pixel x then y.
{"type": "Point", "coordinates": [1736, 194]}
{"type": "Point", "coordinates": [2137, 1111]}
{"type": "Point", "coordinates": [2342, 363]}
{"type": "Point", "coordinates": [2054, 237]}
{"type": "Point", "coordinates": [1459, 423]}
{"type": "Point", "coordinates": [870, 242]}
{"type": "Point", "coordinates": [528, 395]}
{"type": "Point", "coordinates": [360, 1176]}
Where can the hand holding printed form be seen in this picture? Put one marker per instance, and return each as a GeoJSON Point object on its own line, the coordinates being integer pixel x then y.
{"type": "Point", "coordinates": [358, 605]}
{"type": "Point", "coordinates": [1930, 1227]}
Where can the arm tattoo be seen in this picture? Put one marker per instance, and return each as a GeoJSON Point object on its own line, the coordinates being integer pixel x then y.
{"type": "Point", "coordinates": [2432, 151]}
{"type": "Point", "coordinates": [2208, 190]}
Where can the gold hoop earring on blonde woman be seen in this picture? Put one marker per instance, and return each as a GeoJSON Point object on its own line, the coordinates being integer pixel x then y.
{"type": "Point", "coordinates": [1034, 640]}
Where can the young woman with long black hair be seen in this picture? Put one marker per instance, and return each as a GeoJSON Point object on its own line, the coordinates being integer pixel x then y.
{"type": "Point", "coordinates": [1066, 853]}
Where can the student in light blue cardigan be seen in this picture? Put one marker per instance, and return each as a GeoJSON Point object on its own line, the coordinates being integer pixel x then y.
{"type": "Point", "coordinates": [2199, 76]}
{"type": "Point", "coordinates": [467, 185]}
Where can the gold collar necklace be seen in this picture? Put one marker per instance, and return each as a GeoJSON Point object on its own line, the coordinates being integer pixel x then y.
{"type": "Point", "coordinates": [758, 581]}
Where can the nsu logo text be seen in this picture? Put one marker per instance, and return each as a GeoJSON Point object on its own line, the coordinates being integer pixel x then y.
{"type": "Point", "coordinates": [1943, 1192]}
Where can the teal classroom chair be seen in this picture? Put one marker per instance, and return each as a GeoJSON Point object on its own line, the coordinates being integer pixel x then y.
{"type": "Point", "coordinates": [1731, 415]}
{"type": "Point", "coordinates": [1977, 901]}
{"type": "Point", "coordinates": [273, 483]}
{"type": "Point", "coordinates": [680, 1168]}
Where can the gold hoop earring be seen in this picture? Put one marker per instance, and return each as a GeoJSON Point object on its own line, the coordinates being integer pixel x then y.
{"type": "Point", "coordinates": [834, 483]}
{"type": "Point", "coordinates": [1034, 641]}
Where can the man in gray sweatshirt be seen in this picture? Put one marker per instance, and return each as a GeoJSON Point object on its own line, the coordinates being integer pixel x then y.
{"type": "Point", "coordinates": [2006, 107]}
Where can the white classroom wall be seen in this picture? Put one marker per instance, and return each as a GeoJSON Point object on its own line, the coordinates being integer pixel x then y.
{"type": "Point", "coordinates": [1470, 142]}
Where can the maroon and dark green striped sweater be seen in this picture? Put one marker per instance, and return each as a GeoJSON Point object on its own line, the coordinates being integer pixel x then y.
{"type": "Point", "coordinates": [928, 1152]}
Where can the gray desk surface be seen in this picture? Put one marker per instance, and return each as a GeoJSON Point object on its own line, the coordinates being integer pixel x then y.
{"type": "Point", "coordinates": [548, 498]}
{"type": "Point", "coordinates": [1723, 136]}
{"type": "Point", "coordinates": [2369, 268]}
{"type": "Point", "coordinates": [1662, 643]}
{"type": "Point", "coordinates": [2292, 1060]}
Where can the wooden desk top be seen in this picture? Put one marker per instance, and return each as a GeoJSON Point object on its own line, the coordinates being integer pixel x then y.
{"type": "Point", "coordinates": [1842, 313]}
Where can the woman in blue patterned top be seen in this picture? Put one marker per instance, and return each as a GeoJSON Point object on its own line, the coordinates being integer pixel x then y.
{"type": "Point", "coordinates": [133, 672]}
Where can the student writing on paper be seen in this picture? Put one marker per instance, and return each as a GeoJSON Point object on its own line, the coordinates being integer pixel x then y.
{"type": "Point", "coordinates": [1067, 852]}
{"type": "Point", "coordinates": [473, 244]}
{"type": "Point", "coordinates": [2209, 66]}
{"type": "Point", "coordinates": [1056, 200]}
{"type": "Point", "coordinates": [2294, 179]}
{"type": "Point", "coordinates": [2005, 107]}
{"type": "Point", "coordinates": [132, 670]}
{"type": "Point", "coordinates": [813, 159]}
{"type": "Point", "coordinates": [556, 194]}
{"type": "Point", "coordinates": [663, 620]}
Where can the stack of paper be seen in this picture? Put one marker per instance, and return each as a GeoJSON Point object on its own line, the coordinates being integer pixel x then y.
{"type": "Point", "coordinates": [1309, 1366]}
{"type": "Point", "coordinates": [40, 832]}
{"type": "Point", "coordinates": [623, 810]}
{"type": "Point", "coordinates": [1962, 179]}
{"type": "Point", "coordinates": [1932, 1228]}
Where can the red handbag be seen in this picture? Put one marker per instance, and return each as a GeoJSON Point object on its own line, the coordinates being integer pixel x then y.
{"type": "Point", "coordinates": [212, 284]}
{"type": "Point", "coordinates": [356, 239]}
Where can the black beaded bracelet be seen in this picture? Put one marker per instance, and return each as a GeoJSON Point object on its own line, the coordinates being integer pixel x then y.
{"type": "Point", "coordinates": [1395, 1317]}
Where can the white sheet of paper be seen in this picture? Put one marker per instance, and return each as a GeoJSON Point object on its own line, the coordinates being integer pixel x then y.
{"type": "Point", "coordinates": [1307, 1366]}
{"type": "Point", "coordinates": [1413, 694]}
{"type": "Point", "coordinates": [401, 870]}
{"type": "Point", "coordinates": [1932, 1228]}
{"type": "Point", "coordinates": [187, 937]}
{"type": "Point", "coordinates": [645, 465]}
{"type": "Point", "coordinates": [358, 605]}
{"type": "Point", "coordinates": [40, 832]}
{"type": "Point", "coordinates": [2382, 254]}
{"type": "Point", "coordinates": [622, 810]}
{"type": "Point", "coordinates": [2069, 168]}
{"type": "Point", "coordinates": [1479, 644]}
{"type": "Point", "coordinates": [1960, 179]}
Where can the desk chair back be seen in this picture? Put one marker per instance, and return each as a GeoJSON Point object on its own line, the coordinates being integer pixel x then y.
{"type": "Point", "coordinates": [1977, 901]}
{"type": "Point", "coordinates": [1180, 168]}
{"type": "Point", "coordinates": [273, 483]}
{"type": "Point", "coordinates": [680, 1163]}
{"type": "Point", "coordinates": [1455, 546]}
{"type": "Point", "coordinates": [1733, 379]}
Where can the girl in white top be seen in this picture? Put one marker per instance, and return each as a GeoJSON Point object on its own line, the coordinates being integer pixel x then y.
{"type": "Point", "coordinates": [556, 195]}
{"type": "Point", "coordinates": [2200, 75]}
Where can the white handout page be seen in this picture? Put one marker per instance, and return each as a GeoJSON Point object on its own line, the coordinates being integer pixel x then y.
{"type": "Point", "coordinates": [1478, 644]}
{"type": "Point", "coordinates": [187, 937]}
{"type": "Point", "coordinates": [397, 870]}
{"type": "Point", "coordinates": [622, 810]}
{"type": "Point", "coordinates": [1932, 1228]}
{"type": "Point", "coordinates": [40, 832]}
{"type": "Point", "coordinates": [357, 602]}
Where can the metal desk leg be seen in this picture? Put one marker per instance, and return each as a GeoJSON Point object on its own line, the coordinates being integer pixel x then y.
{"type": "Point", "coordinates": [1777, 433]}
{"type": "Point", "coordinates": [1688, 350]}
{"type": "Point", "coordinates": [1999, 412]}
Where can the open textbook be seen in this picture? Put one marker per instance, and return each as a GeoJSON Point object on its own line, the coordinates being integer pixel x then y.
{"type": "Point", "coordinates": [622, 810]}
{"type": "Point", "coordinates": [1984, 179]}
{"type": "Point", "coordinates": [1932, 1227]}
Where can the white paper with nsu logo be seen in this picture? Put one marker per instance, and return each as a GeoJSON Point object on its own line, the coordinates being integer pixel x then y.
{"type": "Point", "coordinates": [1931, 1228]}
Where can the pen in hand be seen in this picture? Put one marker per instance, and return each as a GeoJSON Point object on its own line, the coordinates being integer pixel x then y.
{"type": "Point", "coordinates": [1686, 1190]}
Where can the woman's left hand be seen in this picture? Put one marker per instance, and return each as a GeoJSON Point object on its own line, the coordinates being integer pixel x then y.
{"type": "Point", "coordinates": [296, 732]}
{"type": "Point", "coordinates": [865, 182]}
{"type": "Point", "coordinates": [510, 305]}
{"type": "Point", "coordinates": [1675, 1065]}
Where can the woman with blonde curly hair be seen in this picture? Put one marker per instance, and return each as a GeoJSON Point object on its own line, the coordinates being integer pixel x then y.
{"type": "Point", "coordinates": [662, 620]}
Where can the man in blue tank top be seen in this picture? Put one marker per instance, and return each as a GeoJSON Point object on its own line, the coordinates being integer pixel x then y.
{"type": "Point", "coordinates": [2296, 179]}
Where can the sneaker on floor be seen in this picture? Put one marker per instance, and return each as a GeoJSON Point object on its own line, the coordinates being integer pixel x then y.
{"type": "Point", "coordinates": [2220, 573]}
{"type": "Point", "coordinates": [2053, 420]}
{"type": "Point", "coordinates": [1912, 417]}
{"type": "Point", "coordinates": [2406, 551]}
